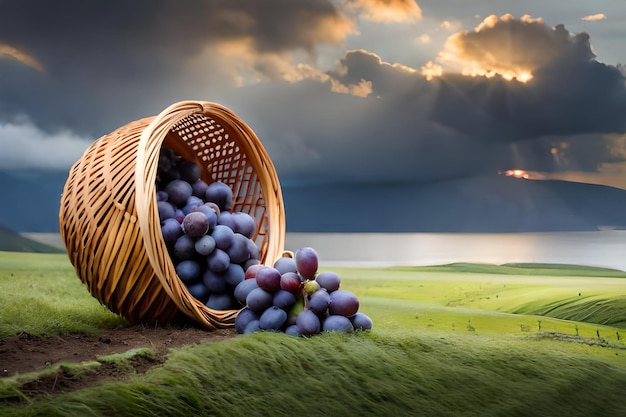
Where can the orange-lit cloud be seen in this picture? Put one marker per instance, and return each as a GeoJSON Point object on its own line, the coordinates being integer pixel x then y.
{"type": "Point", "coordinates": [451, 26]}
{"type": "Point", "coordinates": [362, 89]}
{"type": "Point", "coordinates": [423, 39]}
{"type": "Point", "coordinates": [8, 51]}
{"type": "Point", "coordinates": [611, 172]}
{"type": "Point", "coordinates": [508, 47]}
{"type": "Point", "coordinates": [387, 11]}
{"type": "Point", "coordinates": [515, 173]}
{"type": "Point", "coordinates": [245, 56]}
{"type": "Point", "coordinates": [599, 178]}
{"type": "Point", "coordinates": [359, 71]}
{"type": "Point", "coordinates": [594, 17]}
{"type": "Point", "coordinates": [431, 70]}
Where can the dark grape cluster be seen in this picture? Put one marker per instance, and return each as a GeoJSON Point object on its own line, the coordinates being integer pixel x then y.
{"type": "Point", "coordinates": [210, 245]}
{"type": "Point", "coordinates": [292, 297]}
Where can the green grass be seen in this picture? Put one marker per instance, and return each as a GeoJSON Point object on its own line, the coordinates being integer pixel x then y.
{"type": "Point", "coordinates": [361, 375]}
{"type": "Point", "coordinates": [452, 340]}
{"type": "Point", "coordinates": [40, 294]}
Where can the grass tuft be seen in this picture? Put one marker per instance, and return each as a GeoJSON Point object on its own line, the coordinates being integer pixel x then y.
{"type": "Point", "coordinates": [364, 374]}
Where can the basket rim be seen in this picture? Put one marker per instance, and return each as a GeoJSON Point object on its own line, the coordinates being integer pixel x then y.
{"type": "Point", "coordinates": [150, 142]}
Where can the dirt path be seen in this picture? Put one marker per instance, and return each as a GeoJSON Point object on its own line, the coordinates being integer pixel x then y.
{"type": "Point", "coordinates": [26, 353]}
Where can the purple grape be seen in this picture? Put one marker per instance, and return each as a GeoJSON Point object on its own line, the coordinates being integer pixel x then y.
{"type": "Point", "coordinates": [198, 188]}
{"type": "Point", "coordinates": [251, 270]}
{"type": "Point", "coordinates": [161, 196]}
{"type": "Point", "coordinates": [244, 223]}
{"type": "Point", "coordinates": [244, 317]}
{"type": "Point", "coordinates": [253, 249]}
{"type": "Point", "coordinates": [204, 245]}
{"type": "Point", "coordinates": [328, 280]}
{"type": "Point", "coordinates": [234, 274]}
{"type": "Point", "coordinates": [189, 171]}
{"type": "Point", "coordinates": [213, 207]}
{"type": "Point", "coordinates": [184, 248]}
{"type": "Point", "coordinates": [220, 301]}
{"type": "Point", "coordinates": [319, 301]}
{"type": "Point", "coordinates": [218, 260]}
{"type": "Point", "coordinates": [308, 323]}
{"type": "Point", "coordinates": [178, 192]}
{"type": "Point", "coordinates": [180, 216]}
{"type": "Point", "coordinates": [167, 160]}
{"type": "Point", "coordinates": [259, 300]}
{"type": "Point", "coordinates": [307, 262]}
{"type": "Point", "coordinates": [223, 236]}
{"type": "Point", "coordinates": [191, 203]}
{"type": "Point", "coordinates": [209, 213]}
{"type": "Point", "coordinates": [243, 289]}
{"type": "Point", "coordinates": [238, 249]}
{"type": "Point", "coordinates": [225, 218]}
{"type": "Point", "coordinates": [171, 231]}
{"type": "Point", "coordinates": [251, 262]}
{"type": "Point", "coordinates": [252, 327]}
{"type": "Point", "coordinates": [199, 292]}
{"type": "Point", "coordinates": [335, 323]}
{"type": "Point", "coordinates": [166, 210]}
{"type": "Point", "coordinates": [220, 194]}
{"type": "Point", "coordinates": [195, 224]}
{"type": "Point", "coordinates": [283, 299]}
{"type": "Point", "coordinates": [268, 278]}
{"type": "Point", "coordinates": [361, 321]}
{"type": "Point", "coordinates": [285, 264]}
{"type": "Point", "coordinates": [290, 281]}
{"type": "Point", "coordinates": [188, 270]}
{"type": "Point", "coordinates": [169, 176]}
{"type": "Point", "coordinates": [292, 330]}
{"type": "Point", "coordinates": [343, 303]}
{"type": "Point", "coordinates": [214, 281]}
{"type": "Point", "coordinates": [272, 319]}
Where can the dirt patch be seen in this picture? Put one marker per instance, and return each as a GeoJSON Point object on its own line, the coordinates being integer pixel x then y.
{"type": "Point", "coordinates": [26, 353]}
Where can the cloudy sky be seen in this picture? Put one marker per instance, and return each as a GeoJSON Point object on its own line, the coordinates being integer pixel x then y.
{"type": "Point", "coordinates": [337, 90]}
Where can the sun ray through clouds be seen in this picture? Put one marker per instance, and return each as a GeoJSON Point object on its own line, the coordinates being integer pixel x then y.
{"type": "Point", "coordinates": [8, 51]}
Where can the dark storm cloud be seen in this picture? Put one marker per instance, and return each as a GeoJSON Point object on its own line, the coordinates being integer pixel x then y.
{"type": "Point", "coordinates": [570, 91]}
{"type": "Point", "coordinates": [509, 44]}
{"type": "Point", "coordinates": [411, 129]}
{"type": "Point", "coordinates": [108, 62]}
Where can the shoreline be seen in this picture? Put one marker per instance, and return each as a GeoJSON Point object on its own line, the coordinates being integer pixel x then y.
{"type": "Point", "coordinates": [602, 248]}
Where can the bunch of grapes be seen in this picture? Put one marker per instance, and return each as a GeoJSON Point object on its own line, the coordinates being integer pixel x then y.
{"type": "Point", "coordinates": [291, 297]}
{"type": "Point", "coordinates": [210, 246]}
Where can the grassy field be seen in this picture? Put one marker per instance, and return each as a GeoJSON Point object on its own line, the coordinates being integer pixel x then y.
{"type": "Point", "coordinates": [454, 340]}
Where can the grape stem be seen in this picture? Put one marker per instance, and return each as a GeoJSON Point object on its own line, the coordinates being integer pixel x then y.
{"type": "Point", "coordinates": [305, 297]}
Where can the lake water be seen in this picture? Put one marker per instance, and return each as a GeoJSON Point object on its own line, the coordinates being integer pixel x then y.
{"type": "Point", "coordinates": [601, 248]}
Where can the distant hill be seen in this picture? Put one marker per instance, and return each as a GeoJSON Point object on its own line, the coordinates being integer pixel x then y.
{"type": "Point", "coordinates": [30, 203]}
{"type": "Point", "coordinates": [11, 241]}
{"type": "Point", "coordinates": [477, 205]}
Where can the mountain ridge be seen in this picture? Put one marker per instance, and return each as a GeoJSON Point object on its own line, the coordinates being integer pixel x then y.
{"type": "Point", "coordinates": [476, 204]}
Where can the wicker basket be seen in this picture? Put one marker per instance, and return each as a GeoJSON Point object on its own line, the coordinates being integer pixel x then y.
{"type": "Point", "coordinates": [109, 218]}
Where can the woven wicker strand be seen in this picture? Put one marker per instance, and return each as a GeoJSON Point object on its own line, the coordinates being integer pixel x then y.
{"type": "Point", "coordinates": [109, 216]}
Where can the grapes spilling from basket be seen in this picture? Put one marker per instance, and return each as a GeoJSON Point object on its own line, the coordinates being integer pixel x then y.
{"type": "Point", "coordinates": [212, 250]}
{"type": "Point", "coordinates": [210, 245]}
{"type": "Point", "coordinates": [292, 297]}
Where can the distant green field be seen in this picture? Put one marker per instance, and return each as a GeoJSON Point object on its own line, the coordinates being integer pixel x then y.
{"type": "Point", "coordinates": [452, 340]}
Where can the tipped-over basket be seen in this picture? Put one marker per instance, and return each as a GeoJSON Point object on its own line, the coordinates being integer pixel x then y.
{"type": "Point", "coordinates": [109, 217]}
